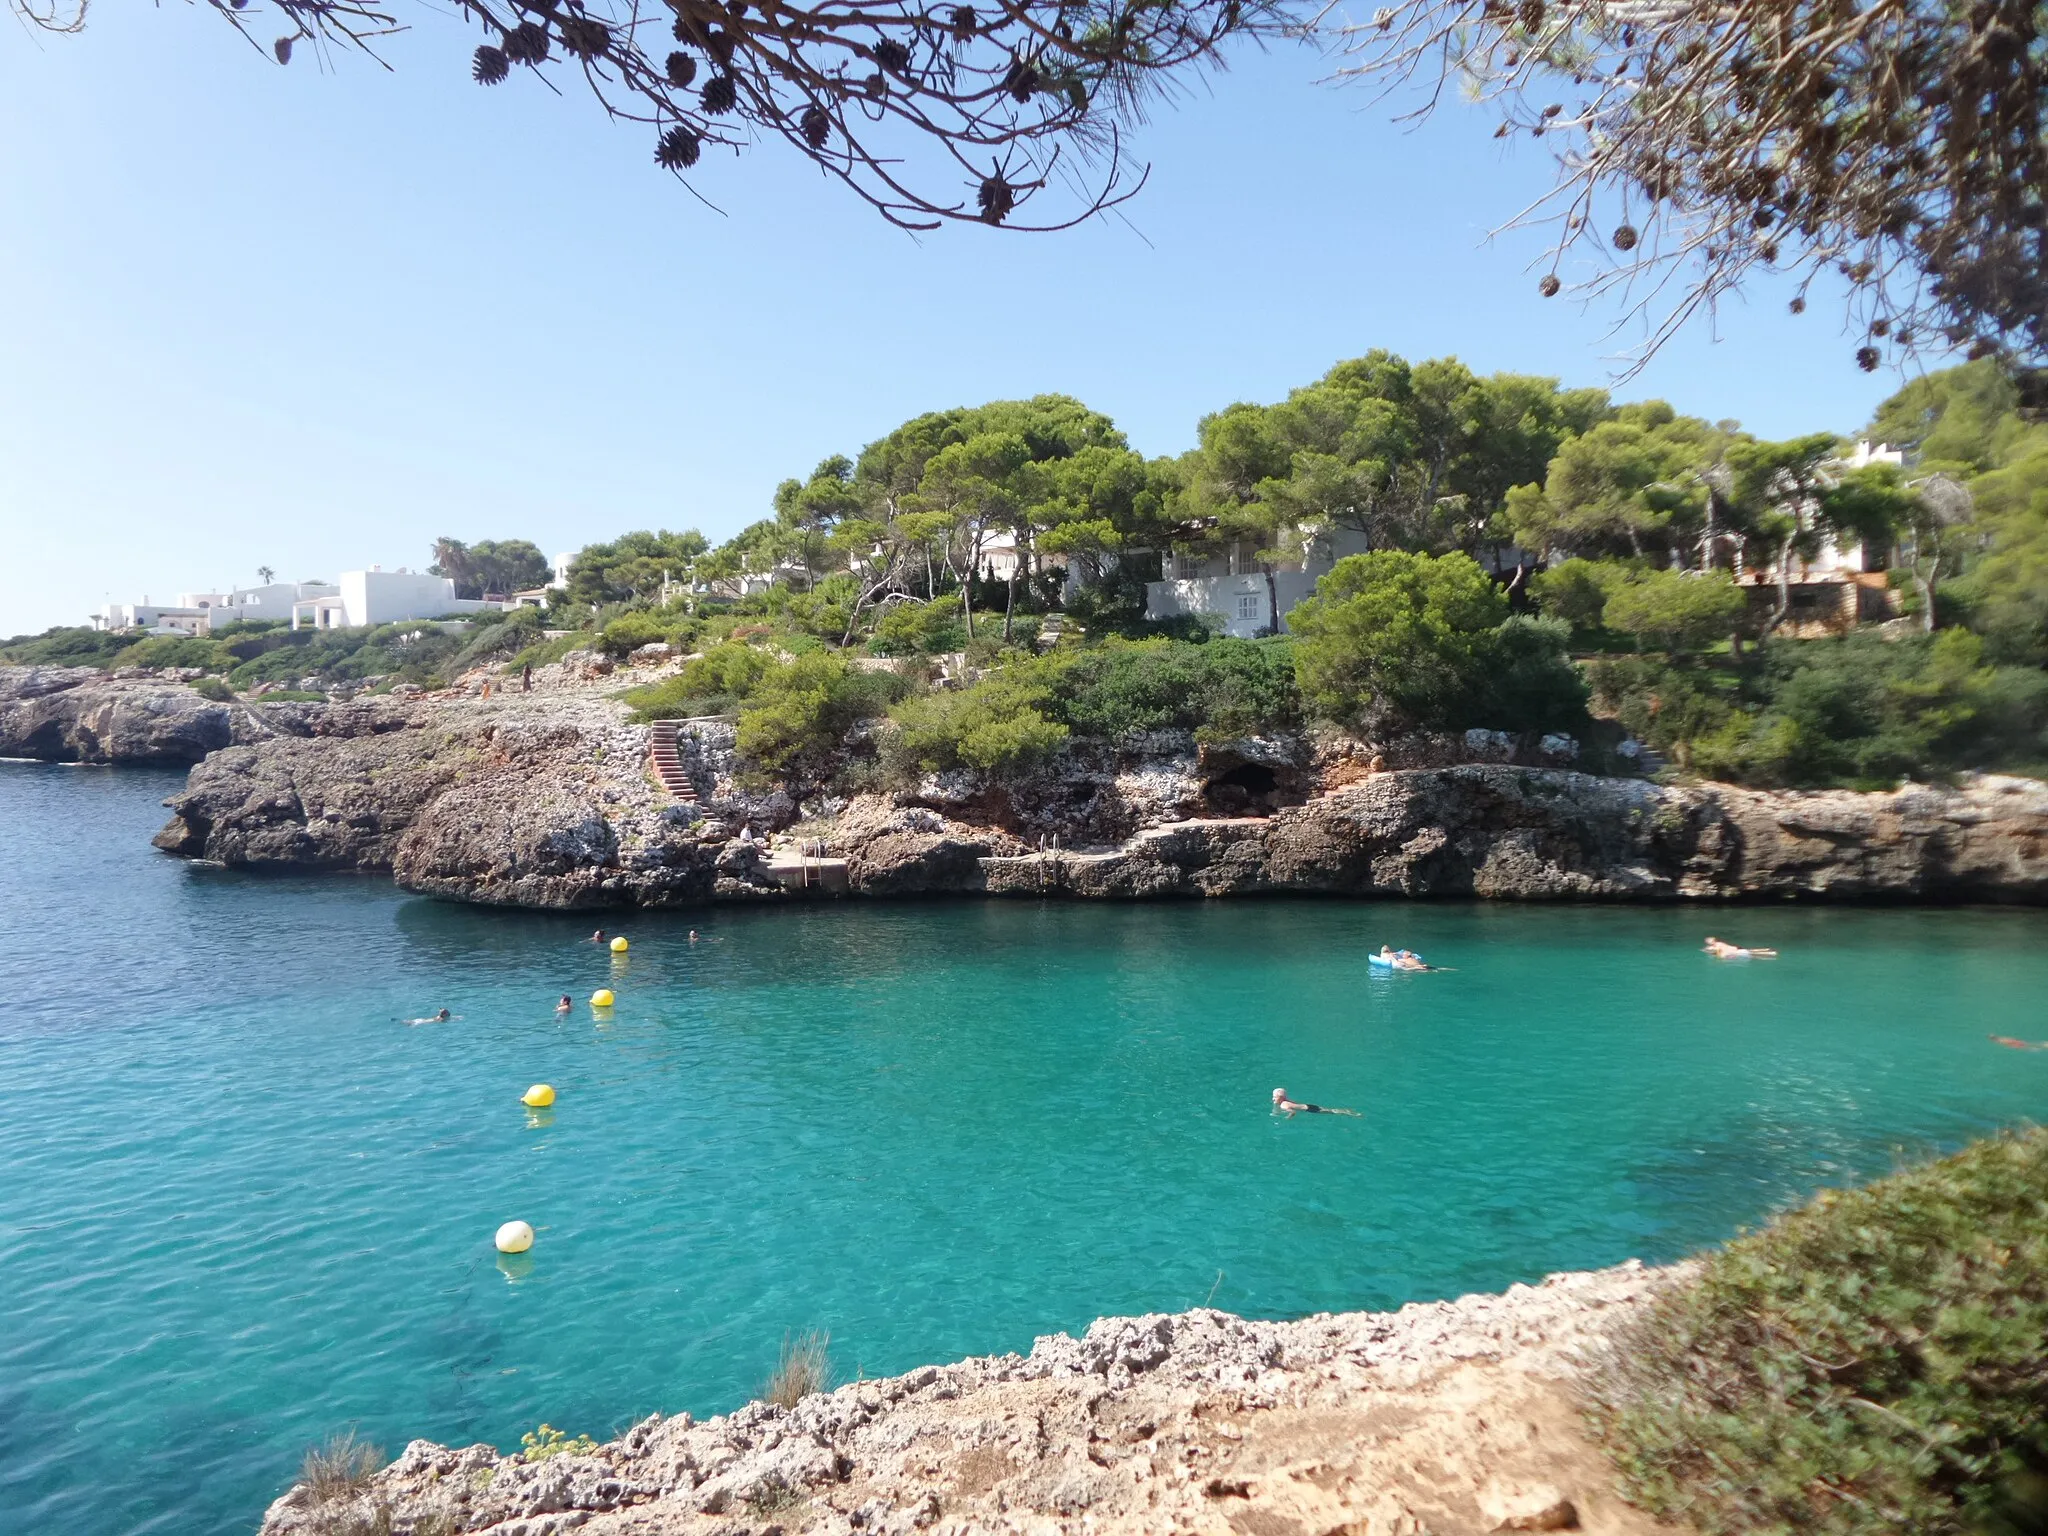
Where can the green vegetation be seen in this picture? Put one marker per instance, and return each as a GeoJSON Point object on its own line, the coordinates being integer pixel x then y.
{"type": "Point", "coordinates": [1512, 525]}
{"type": "Point", "coordinates": [1876, 1362]}
{"type": "Point", "coordinates": [546, 1441]}
{"type": "Point", "coordinates": [1416, 640]}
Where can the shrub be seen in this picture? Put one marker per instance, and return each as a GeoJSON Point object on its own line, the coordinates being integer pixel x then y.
{"type": "Point", "coordinates": [711, 684]}
{"type": "Point", "coordinates": [212, 688]}
{"type": "Point", "coordinates": [1424, 640]}
{"type": "Point", "coordinates": [66, 646]}
{"type": "Point", "coordinates": [342, 1468]}
{"type": "Point", "coordinates": [920, 629]}
{"type": "Point", "coordinates": [804, 1367]}
{"type": "Point", "coordinates": [1681, 610]}
{"type": "Point", "coordinates": [1876, 1362]}
{"type": "Point", "coordinates": [495, 642]}
{"type": "Point", "coordinates": [1576, 590]}
{"type": "Point", "coordinates": [799, 713]}
{"type": "Point", "coordinates": [628, 632]}
{"type": "Point", "coordinates": [998, 725]}
{"type": "Point", "coordinates": [1225, 687]}
{"type": "Point", "coordinates": [173, 651]}
{"type": "Point", "coordinates": [539, 1444]}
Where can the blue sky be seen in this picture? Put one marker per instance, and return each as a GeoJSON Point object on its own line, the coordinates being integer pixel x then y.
{"type": "Point", "coordinates": [311, 318]}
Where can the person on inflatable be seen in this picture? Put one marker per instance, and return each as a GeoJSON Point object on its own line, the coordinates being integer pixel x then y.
{"type": "Point", "coordinates": [1722, 950]}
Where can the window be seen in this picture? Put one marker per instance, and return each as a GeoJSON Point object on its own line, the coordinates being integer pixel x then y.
{"type": "Point", "coordinates": [1248, 605]}
{"type": "Point", "coordinates": [1187, 567]}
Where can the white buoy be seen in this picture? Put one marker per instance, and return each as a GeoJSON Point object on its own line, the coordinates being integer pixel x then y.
{"type": "Point", "coordinates": [514, 1237]}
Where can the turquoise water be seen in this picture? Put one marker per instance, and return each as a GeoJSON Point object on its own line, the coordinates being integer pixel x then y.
{"type": "Point", "coordinates": [242, 1206]}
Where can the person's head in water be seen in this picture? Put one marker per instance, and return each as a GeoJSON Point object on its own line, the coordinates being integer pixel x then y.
{"type": "Point", "coordinates": [442, 1014]}
{"type": "Point", "coordinates": [564, 1005]}
{"type": "Point", "coordinates": [1279, 1095]}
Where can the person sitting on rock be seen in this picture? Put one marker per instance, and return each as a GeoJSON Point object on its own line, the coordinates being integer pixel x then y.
{"type": "Point", "coordinates": [1288, 1107]}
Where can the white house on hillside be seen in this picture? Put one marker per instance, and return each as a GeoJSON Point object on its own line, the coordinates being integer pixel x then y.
{"type": "Point", "coordinates": [197, 613]}
{"type": "Point", "coordinates": [378, 596]}
{"type": "Point", "coordinates": [1230, 584]}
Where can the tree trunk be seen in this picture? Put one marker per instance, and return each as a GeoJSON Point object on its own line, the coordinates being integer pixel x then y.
{"type": "Point", "coordinates": [1272, 598]}
{"type": "Point", "coordinates": [1784, 587]}
{"type": "Point", "coordinates": [1009, 604]}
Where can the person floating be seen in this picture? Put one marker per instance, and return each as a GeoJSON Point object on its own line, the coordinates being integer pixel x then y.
{"type": "Point", "coordinates": [693, 935]}
{"type": "Point", "coordinates": [2018, 1045]}
{"type": "Point", "coordinates": [564, 1005]}
{"type": "Point", "coordinates": [597, 937]}
{"type": "Point", "coordinates": [1285, 1106]}
{"type": "Point", "coordinates": [1393, 959]}
{"type": "Point", "coordinates": [433, 1018]}
{"type": "Point", "coordinates": [1720, 949]}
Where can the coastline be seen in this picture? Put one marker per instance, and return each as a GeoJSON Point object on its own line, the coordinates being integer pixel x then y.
{"type": "Point", "coordinates": [549, 801]}
{"type": "Point", "coordinates": [1450, 1417]}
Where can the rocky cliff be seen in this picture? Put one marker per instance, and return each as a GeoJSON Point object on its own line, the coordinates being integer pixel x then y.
{"type": "Point", "coordinates": [548, 802]}
{"type": "Point", "coordinates": [83, 715]}
{"type": "Point", "coordinates": [1451, 1418]}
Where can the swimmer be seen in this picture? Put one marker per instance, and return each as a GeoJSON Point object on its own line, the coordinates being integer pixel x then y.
{"type": "Point", "coordinates": [564, 1005]}
{"type": "Point", "coordinates": [1286, 1106]}
{"type": "Point", "coordinates": [1722, 950]}
{"type": "Point", "coordinates": [437, 1018]}
{"type": "Point", "coordinates": [2018, 1045]}
{"type": "Point", "coordinates": [693, 935]}
{"type": "Point", "coordinates": [597, 937]}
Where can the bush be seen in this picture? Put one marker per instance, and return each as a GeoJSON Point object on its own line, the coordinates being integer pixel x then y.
{"type": "Point", "coordinates": [920, 629]}
{"type": "Point", "coordinates": [1681, 610]}
{"type": "Point", "coordinates": [1401, 639]}
{"type": "Point", "coordinates": [339, 1469]}
{"type": "Point", "coordinates": [174, 651]}
{"type": "Point", "coordinates": [546, 1441]}
{"type": "Point", "coordinates": [712, 684]}
{"type": "Point", "coordinates": [212, 688]}
{"type": "Point", "coordinates": [804, 1368]}
{"type": "Point", "coordinates": [66, 646]}
{"type": "Point", "coordinates": [999, 725]}
{"type": "Point", "coordinates": [500, 641]}
{"type": "Point", "coordinates": [1576, 590]}
{"type": "Point", "coordinates": [630, 631]}
{"type": "Point", "coordinates": [1874, 1363]}
{"type": "Point", "coordinates": [1225, 687]}
{"type": "Point", "coordinates": [799, 713]}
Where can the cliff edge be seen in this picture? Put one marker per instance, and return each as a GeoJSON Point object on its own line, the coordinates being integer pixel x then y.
{"type": "Point", "coordinates": [1450, 1418]}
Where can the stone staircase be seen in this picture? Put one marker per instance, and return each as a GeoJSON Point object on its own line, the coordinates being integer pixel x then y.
{"type": "Point", "coordinates": [667, 762]}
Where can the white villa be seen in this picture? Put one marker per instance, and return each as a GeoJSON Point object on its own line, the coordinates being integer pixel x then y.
{"type": "Point", "coordinates": [1230, 584]}
{"type": "Point", "coordinates": [359, 599]}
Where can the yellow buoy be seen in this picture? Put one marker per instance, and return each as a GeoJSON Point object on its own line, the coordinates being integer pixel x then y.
{"type": "Point", "coordinates": [539, 1096]}
{"type": "Point", "coordinates": [514, 1237]}
{"type": "Point", "coordinates": [601, 998]}
{"type": "Point", "coordinates": [619, 945]}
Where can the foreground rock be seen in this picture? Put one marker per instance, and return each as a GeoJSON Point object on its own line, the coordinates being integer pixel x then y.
{"type": "Point", "coordinates": [1452, 1418]}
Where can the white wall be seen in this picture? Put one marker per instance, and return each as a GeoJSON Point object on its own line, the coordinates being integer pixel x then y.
{"type": "Point", "coordinates": [1242, 601]}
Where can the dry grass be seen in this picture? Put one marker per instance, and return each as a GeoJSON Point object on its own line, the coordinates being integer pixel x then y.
{"type": "Point", "coordinates": [805, 1367]}
{"type": "Point", "coordinates": [340, 1469]}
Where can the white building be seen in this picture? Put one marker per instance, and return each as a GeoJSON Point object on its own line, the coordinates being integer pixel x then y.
{"type": "Point", "coordinates": [1229, 582]}
{"type": "Point", "coordinates": [198, 613]}
{"type": "Point", "coordinates": [378, 596]}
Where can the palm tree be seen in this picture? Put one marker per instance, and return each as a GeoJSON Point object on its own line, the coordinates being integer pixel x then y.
{"type": "Point", "coordinates": [265, 574]}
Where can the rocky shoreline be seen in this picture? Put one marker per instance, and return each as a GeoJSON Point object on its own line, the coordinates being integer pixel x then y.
{"type": "Point", "coordinates": [547, 800]}
{"type": "Point", "coordinates": [1451, 1418]}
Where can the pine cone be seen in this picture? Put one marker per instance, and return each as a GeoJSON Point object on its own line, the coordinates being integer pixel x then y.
{"type": "Point", "coordinates": [816, 127]}
{"type": "Point", "coordinates": [1867, 359]}
{"type": "Point", "coordinates": [719, 94]}
{"type": "Point", "coordinates": [1549, 286]}
{"type": "Point", "coordinates": [585, 38]}
{"type": "Point", "coordinates": [527, 43]}
{"type": "Point", "coordinates": [892, 55]}
{"type": "Point", "coordinates": [1624, 237]}
{"type": "Point", "coordinates": [490, 65]}
{"type": "Point", "coordinates": [965, 23]}
{"type": "Point", "coordinates": [1531, 13]}
{"type": "Point", "coordinates": [682, 69]}
{"type": "Point", "coordinates": [678, 149]}
{"type": "Point", "coordinates": [997, 198]}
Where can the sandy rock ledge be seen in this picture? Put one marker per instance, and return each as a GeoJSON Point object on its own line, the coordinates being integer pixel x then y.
{"type": "Point", "coordinates": [1443, 1419]}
